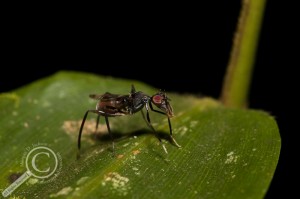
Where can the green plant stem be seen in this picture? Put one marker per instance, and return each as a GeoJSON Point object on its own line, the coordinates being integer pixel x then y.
{"type": "Point", "coordinates": [239, 70]}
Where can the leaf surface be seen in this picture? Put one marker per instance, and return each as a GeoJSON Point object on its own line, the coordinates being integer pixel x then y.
{"type": "Point", "coordinates": [226, 153]}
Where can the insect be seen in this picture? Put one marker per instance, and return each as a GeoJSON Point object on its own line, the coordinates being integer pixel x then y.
{"type": "Point", "coordinates": [112, 105]}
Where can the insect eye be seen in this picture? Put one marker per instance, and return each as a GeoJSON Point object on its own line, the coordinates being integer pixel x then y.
{"type": "Point", "coordinates": [157, 99]}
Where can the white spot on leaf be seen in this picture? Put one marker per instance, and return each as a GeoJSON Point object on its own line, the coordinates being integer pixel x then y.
{"type": "Point", "coordinates": [32, 180]}
{"type": "Point", "coordinates": [62, 192]}
{"type": "Point", "coordinates": [182, 130]}
{"type": "Point", "coordinates": [15, 113]}
{"type": "Point", "coordinates": [118, 184]}
{"type": "Point", "coordinates": [193, 124]}
{"type": "Point", "coordinates": [231, 158]}
{"type": "Point", "coordinates": [26, 125]}
{"type": "Point", "coordinates": [82, 180]}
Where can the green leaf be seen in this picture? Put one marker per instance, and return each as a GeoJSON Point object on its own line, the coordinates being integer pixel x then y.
{"type": "Point", "coordinates": [226, 153]}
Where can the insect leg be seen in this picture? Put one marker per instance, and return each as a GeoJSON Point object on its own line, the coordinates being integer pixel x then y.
{"type": "Point", "coordinates": [171, 134]}
{"type": "Point", "coordinates": [148, 121]}
{"type": "Point", "coordinates": [97, 122]}
{"type": "Point", "coordinates": [109, 132]}
{"type": "Point", "coordinates": [82, 124]}
{"type": "Point", "coordinates": [169, 121]}
{"type": "Point", "coordinates": [152, 109]}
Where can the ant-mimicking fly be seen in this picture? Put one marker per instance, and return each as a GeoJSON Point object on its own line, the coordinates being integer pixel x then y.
{"type": "Point", "coordinates": [112, 105]}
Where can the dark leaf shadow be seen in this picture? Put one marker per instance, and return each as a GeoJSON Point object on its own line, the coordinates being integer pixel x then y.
{"type": "Point", "coordinates": [118, 136]}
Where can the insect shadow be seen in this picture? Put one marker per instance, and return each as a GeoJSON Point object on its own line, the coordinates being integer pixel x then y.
{"type": "Point", "coordinates": [118, 136]}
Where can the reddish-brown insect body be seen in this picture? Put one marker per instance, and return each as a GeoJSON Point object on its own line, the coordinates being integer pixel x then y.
{"type": "Point", "coordinates": [112, 105]}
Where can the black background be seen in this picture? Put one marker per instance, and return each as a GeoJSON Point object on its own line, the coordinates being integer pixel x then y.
{"type": "Point", "coordinates": [181, 48]}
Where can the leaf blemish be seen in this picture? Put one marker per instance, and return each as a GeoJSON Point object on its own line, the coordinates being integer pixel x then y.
{"type": "Point", "coordinates": [71, 127]}
{"type": "Point", "coordinates": [15, 113]}
{"type": "Point", "coordinates": [126, 144]}
{"type": "Point", "coordinates": [46, 104]}
{"type": "Point", "coordinates": [32, 181]}
{"type": "Point", "coordinates": [193, 123]}
{"type": "Point", "coordinates": [119, 184]}
{"type": "Point", "coordinates": [64, 191]}
{"type": "Point", "coordinates": [182, 130]}
{"type": "Point", "coordinates": [135, 169]}
{"type": "Point", "coordinates": [135, 152]}
{"type": "Point", "coordinates": [13, 177]}
{"type": "Point", "coordinates": [82, 180]}
{"type": "Point", "coordinates": [26, 125]}
{"type": "Point", "coordinates": [231, 158]}
{"type": "Point", "coordinates": [120, 156]}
